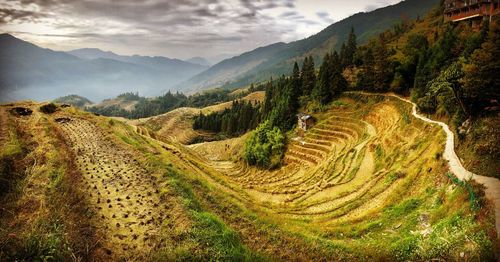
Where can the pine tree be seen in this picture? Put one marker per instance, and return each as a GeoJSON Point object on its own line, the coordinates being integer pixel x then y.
{"type": "Point", "coordinates": [308, 76]}
{"type": "Point", "coordinates": [382, 69]}
{"type": "Point", "coordinates": [268, 100]}
{"type": "Point", "coordinates": [351, 48]}
{"type": "Point", "coordinates": [343, 54]}
{"type": "Point", "coordinates": [323, 91]}
{"type": "Point", "coordinates": [296, 87]}
{"type": "Point", "coordinates": [338, 82]}
{"type": "Point", "coordinates": [366, 78]}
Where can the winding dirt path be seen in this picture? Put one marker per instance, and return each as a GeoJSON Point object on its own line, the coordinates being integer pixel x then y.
{"type": "Point", "coordinates": [491, 184]}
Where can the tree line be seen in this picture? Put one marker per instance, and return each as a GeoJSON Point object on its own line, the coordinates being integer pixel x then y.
{"type": "Point", "coordinates": [234, 121]}
{"type": "Point", "coordinates": [266, 146]}
{"type": "Point", "coordinates": [146, 107]}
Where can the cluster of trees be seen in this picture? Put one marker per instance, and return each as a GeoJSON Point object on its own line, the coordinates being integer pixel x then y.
{"type": "Point", "coordinates": [146, 107]}
{"type": "Point", "coordinates": [266, 146]}
{"type": "Point", "coordinates": [236, 120]}
{"type": "Point", "coordinates": [452, 71]}
{"type": "Point", "coordinates": [449, 71]}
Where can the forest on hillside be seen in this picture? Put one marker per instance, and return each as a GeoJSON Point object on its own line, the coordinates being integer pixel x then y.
{"type": "Point", "coordinates": [146, 107]}
{"type": "Point", "coordinates": [447, 70]}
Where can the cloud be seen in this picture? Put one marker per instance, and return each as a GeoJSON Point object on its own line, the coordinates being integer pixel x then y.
{"type": "Point", "coordinates": [8, 15]}
{"type": "Point", "coordinates": [325, 17]}
{"type": "Point", "coordinates": [174, 28]}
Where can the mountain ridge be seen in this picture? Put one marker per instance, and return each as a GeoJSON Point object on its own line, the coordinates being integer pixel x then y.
{"type": "Point", "coordinates": [365, 24]}
{"type": "Point", "coordinates": [33, 72]}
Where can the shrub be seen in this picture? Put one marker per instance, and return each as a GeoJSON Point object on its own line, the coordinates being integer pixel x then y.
{"type": "Point", "coordinates": [265, 147]}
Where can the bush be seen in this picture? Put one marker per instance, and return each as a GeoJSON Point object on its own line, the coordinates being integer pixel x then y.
{"type": "Point", "coordinates": [265, 147]}
{"type": "Point", "coordinates": [48, 108]}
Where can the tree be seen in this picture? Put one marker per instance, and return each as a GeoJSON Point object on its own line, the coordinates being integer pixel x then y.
{"type": "Point", "coordinates": [482, 80]}
{"type": "Point", "coordinates": [337, 81]}
{"type": "Point", "coordinates": [366, 78]}
{"type": "Point", "coordinates": [296, 87]}
{"type": "Point", "coordinates": [343, 56]}
{"type": "Point", "coordinates": [265, 147]}
{"type": "Point", "coordinates": [322, 92]}
{"type": "Point", "coordinates": [350, 48]}
{"type": "Point", "coordinates": [308, 76]}
{"type": "Point", "coordinates": [381, 66]}
{"type": "Point", "coordinates": [449, 80]}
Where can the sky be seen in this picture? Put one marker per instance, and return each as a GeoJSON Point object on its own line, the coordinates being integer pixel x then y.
{"type": "Point", "coordinates": [173, 28]}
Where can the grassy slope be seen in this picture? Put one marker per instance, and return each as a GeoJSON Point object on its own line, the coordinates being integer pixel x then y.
{"type": "Point", "coordinates": [43, 213]}
{"type": "Point", "coordinates": [419, 214]}
{"type": "Point", "coordinates": [177, 124]}
{"type": "Point", "coordinates": [408, 215]}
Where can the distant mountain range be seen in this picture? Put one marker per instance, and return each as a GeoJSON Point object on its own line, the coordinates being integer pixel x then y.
{"type": "Point", "coordinates": [276, 59]}
{"type": "Point", "coordinates": [30, 72]}
{"type": "Point", "coordinates": [199, 60]}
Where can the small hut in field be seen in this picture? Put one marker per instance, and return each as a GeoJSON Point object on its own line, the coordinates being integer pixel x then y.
{"type": "Point", "coordinates": [304, 122]}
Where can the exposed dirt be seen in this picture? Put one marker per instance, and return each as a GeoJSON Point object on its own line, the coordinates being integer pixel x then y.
{"type": "Point", "coordinates": [123, 195]}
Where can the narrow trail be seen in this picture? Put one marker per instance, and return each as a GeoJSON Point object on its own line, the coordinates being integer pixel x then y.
{"type": "Point", "coordinates": [122, 194]}
{"type": "Point", "coordinates": [491, 184]}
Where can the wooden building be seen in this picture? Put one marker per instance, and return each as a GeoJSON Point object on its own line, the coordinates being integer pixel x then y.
{"type": "Point", "coordinates": [470, 10]}
{"type": "Point", "coordinates": [304, 122]}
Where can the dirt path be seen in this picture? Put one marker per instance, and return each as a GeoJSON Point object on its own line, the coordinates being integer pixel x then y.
{"type": "Point", "coordinates": [122, 194]}
{"type": "Point", "coordinates": [492, 184]}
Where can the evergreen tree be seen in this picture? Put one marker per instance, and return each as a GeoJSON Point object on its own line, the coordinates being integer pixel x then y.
{"type": "Point", "coordinates": [350, 48]}
{"type": "Point", "coordinates": [366, 77]}
{"type": "Point", "coordinates": [338, 82]}
{"type": "Point", "coordinates": [308, 76]}
{"type": "Point", "coordinates": [382, 67]}
{"type": "Point", "coordinates": [482, 75]}
{"type": "Point", "coordinates": [322, 92]}
{"type": "Point", "coordinates": [343, 54]}
{"type": "Point", "coordinates": [296, 87]}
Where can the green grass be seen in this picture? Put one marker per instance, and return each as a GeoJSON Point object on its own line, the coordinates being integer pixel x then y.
{"type": "Point", "coordinates": [208, 237]}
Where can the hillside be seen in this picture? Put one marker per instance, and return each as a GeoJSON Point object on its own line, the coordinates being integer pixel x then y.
{"type": "Point", "coordinates": [177, 125]}
{"type": "Point", "coordinates": [346, 192]}
{"type": "Point", "coordinates": [31, 72]}
{"type": "Point", "coordinates": [273, 60]}
{"type": "Point", "coordinates": [74, 100]}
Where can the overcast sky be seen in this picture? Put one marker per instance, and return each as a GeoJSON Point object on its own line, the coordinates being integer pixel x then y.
{"type": "Point", "coordinates": [172, 28]}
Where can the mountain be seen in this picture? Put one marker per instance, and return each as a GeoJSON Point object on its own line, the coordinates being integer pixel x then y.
{"type": "Point", "coordinates": [278, 58]}
{"type": "Point", "coordinates": [179, 68]}
{"type": "Point", "coordinates": [225, 71]}
{"type": "Point", "coordinates": [199, 61]}
{"type": "Point", "coordinates": [32, 72]}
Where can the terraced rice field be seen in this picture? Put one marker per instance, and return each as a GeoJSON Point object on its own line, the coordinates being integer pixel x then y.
{"type": "Point", "coordinates": [331, 167]}
{"type": "Point", "coordinates": [367, 182]}
{"type": "Point", "coordinates": [359, 160]}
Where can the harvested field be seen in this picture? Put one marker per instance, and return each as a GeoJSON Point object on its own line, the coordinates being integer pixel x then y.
{"type": "Point", "coordinates": [123, 194]}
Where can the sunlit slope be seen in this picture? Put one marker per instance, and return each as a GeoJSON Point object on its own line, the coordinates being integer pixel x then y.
{"type": "Point", "coordinates": [176, 125]}
{"type": "Point", "coordinates": [366, 183]}
{"type": "Point", "coordinates": [368, 176]}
